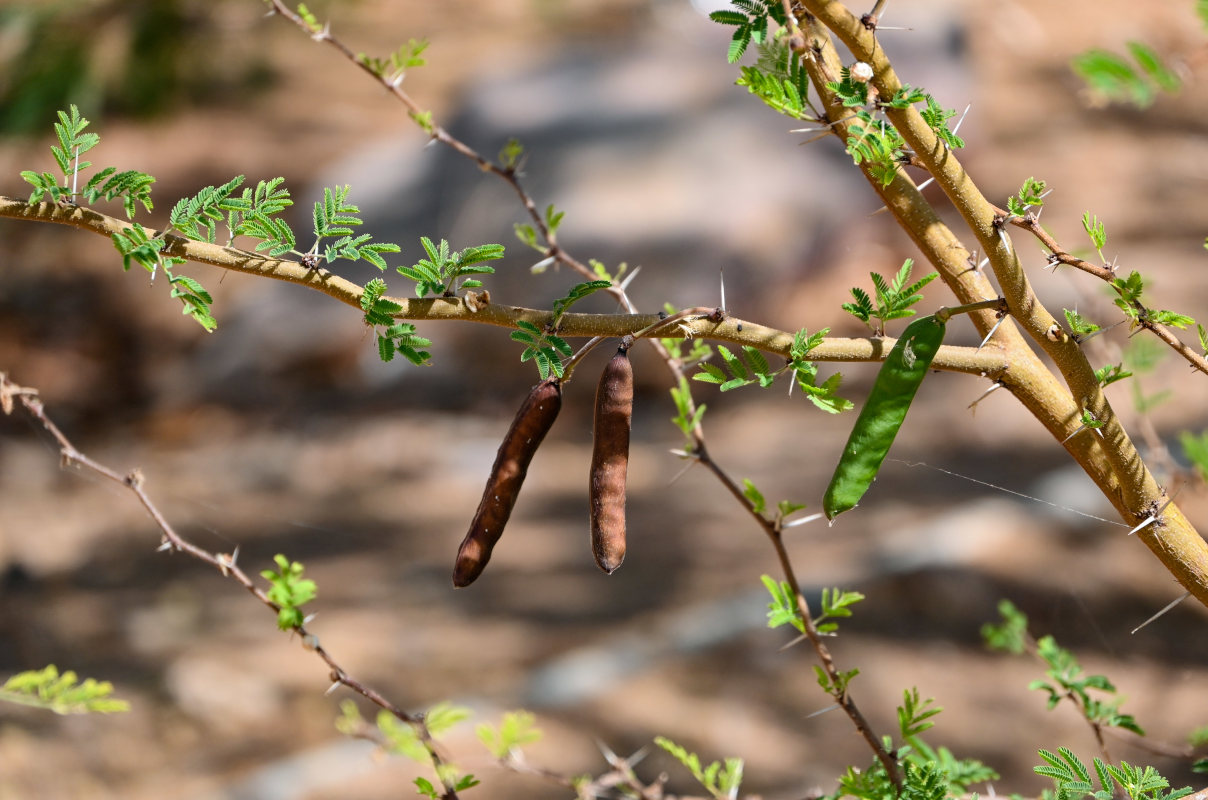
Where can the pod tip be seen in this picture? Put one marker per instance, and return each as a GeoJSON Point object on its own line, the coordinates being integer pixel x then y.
{"type": "Point", "coordinates": [610, 564]}
{"type": "Point", "coordinates": [466, 572]}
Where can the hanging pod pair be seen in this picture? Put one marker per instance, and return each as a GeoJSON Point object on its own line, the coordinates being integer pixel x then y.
{"type": "Point", "coordinates": [609, 464]}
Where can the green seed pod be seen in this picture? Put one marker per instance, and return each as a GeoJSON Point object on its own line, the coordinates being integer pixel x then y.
{"type": "Point", "coordinates": [610, 461]}
{"type": "Point", "coordinates": [534, 419]}
{"type": "Point", "coordinates": [883, 414]}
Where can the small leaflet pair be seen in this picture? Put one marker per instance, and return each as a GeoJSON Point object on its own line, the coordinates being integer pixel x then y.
{"type": "Point", "coordinates": [609, 463]}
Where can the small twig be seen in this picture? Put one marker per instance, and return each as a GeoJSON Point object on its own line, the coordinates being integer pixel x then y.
{"type": "Point", "coordinates": [226, 564]}
{"type": "Point", "coordinates": [844, 699]}
{"type": "Point", "coordinates": [1059, 255]}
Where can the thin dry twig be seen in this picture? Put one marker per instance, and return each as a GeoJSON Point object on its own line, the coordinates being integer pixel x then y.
{"type": "Point", "coordinates": [225, 563]}
{"type": "Point", "coordinates": [1059, 255]}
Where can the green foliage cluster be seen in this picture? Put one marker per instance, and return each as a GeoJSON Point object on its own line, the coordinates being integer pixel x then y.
{"type": "Point", "coordinates": [778, 79]}
{"type": "Point", "coordinates": [1079, 326]}
{"type": "Point", "coordinates": [510, 155]}
{"type": "Point", "coordinates": [525, 232]}
{"type": "Point", "coordinates": [754, 368]}
{"type": "Point", "coordinates": [335, 216]}
{"type": "Point", "coordinates": [1115, 78]}
{"type": "Point", "coordinates": [131, 187]}
{"type": "Point", "coordinates": [443, 273]}
{"type": "Point", "coordinates": [576, 293]}
{"type": "Point", "coordinates": [687, 413]}
{"type": "Point", "coordinates": [393, 67]}
{"type": "Point", "coordinates": [516, 729]}
{"type": "Point", "coordinates": [835, 604]}
{"type": "Point", "coordinates": [1030, 195]}
{"type": "Point", "coordinates": [927, 773]}
{"type": "Point", "coordinates": [751, 367]}
{"type": "Point", "coordinates": [397, 337]}
{"type": "Point", "coordinates": [894, 298]}
{"type": "Point", "coordinates": [61, 693]}
{"type": "Point", "coordinates": [254, 213]}
{"type": "Point", "coordinates": [1064, 678]}
{"type": "Point", "coordinates": [1072, 780]}
{"type": "Point", "coordinates": [289, 591]}
{"type": "Point", "coordinates": [542, 347]}
{"type": "Point", "coordinates": [400, 738]}
{"type": "Point", "coordinates": [759, 504]}
{"type": "Point", "coordinates": [873, 140]}
{"type": "Point", "coordinates": [719, 781]}
{"type": "Point", "coordinates": [750, 20]}
{"type": "Point", "coordinates": [1128, 291]}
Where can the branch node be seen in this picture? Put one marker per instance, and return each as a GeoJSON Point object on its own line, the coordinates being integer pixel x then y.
{"type": "Point", "coordinates": [135, 479]}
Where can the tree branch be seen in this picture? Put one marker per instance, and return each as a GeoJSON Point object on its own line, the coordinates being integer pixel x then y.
{"type": "Point", "coordinates": [1112, 461]}
{"type": "Point", "coordinates": [728, 329]}
{"type": "Point", "coordinates": [225, 563]}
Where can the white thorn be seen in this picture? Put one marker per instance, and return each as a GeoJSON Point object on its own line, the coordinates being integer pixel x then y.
{"type": "Point", "coordinates": [1147, 521]}
{"type": "Point", "coordinates": [982, 396]}
{"type": "Point", "coordinates": [625, 283]}
{"type": "Point", "coordinates": [683, 470]}
{"type": "Point", "coordinates": [637, 757]}
{"type": "Point", "coordinates": [960, 121]}
{"type": "Point", "coordinates": [991, 333]}
{"type": "Point", "coordinates": [609, 756]}
{"type": "Point", "coordinates": [1079, 430]}
{"type": "Point", "coordinates": [1169, 606]}
{"type": "Point", "coordinates": [797, 640]}
{"type": "Point", "coordinates": [802, 520]}
{"type": "Point", "coordinates": [1002, 235]}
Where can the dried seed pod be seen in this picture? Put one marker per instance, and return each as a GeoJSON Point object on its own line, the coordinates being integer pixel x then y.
{"type": "Point", "coordinates": [534, 419]}
{"type": "Point", "coordinates": [610, 460]}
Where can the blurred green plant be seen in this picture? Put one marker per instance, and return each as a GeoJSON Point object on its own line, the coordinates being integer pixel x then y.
{"type": "Point", "coordinates": [61, 693]}
{"type": "Point", "coordinates": [126, 57]}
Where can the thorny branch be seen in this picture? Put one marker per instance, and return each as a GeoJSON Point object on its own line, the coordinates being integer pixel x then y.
{"type": "Point", "coordinates": [452, 308]}
{"type": "Point", "coordinates": [438, 133]}
{"type": "Point", "coordinates": [224, 562]}
{"type": "Point", "coordinates": [1111, 461]}
{"type": "Point", "coordinates": [723, 329]}
{"type": "Point", "coordinates": [1059, 255]}
{"type": "Point", "coordinates": [700, 454]}
{"type": "Point", "coordinates": [700, 451]}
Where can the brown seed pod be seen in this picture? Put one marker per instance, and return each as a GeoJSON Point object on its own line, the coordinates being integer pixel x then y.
{"type": "Point", "coordinates": [534, 419]}
{"type": "Point", "coordinates": [610, 460]}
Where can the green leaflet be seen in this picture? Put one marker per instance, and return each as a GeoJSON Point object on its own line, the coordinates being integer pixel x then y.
{"type": "Point", "coordinates": [883, 414]}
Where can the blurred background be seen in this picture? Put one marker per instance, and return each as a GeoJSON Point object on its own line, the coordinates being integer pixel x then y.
{"type": "Point", "coordinates": [283, 433]}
